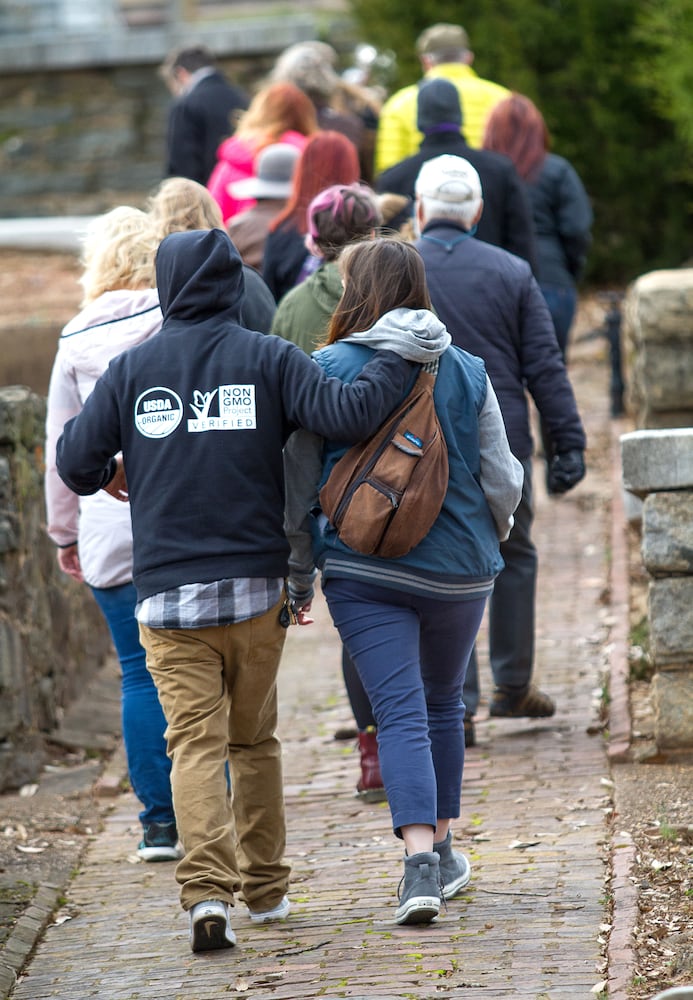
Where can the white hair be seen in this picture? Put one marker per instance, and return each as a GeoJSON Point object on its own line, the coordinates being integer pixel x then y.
{"type": "Point", "coordinates": [463, 213]}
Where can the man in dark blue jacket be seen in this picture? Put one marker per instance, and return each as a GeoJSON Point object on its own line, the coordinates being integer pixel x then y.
{"type": "Point", "coordinates": [507, 218]}
{"type": "Point", "coordinates": [201, 413]}
{"type": "Point", "coordinates": [493, 307]}
{"type": "Point", "coordinates": [202, 114]}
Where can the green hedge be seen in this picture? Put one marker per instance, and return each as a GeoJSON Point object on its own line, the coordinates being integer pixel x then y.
{"type": "Point", "coordinates": [614, 79]}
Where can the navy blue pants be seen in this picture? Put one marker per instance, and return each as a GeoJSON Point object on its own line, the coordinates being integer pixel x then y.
{"type": "Point", "coordinates": [142, 716]}
{"type": "Point", "coordinates": [511, 608]}
{"type": "Point", "coordinates": [411, 653]}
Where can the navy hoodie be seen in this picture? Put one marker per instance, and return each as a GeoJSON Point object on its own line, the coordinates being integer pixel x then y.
{"type": "Point", "coordinates": [201, 412]}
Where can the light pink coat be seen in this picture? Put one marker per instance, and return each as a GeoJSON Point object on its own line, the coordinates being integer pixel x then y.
{"type": "Point", "coordinates": [99, 524]}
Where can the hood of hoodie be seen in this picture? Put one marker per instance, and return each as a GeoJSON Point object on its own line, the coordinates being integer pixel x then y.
{"type": "Point", "coordinates": [199, 275]}
{"type": "Point", "coordinates": [326, 286]}
{"type": "Point", "coordinates": [415, 334]}
{"type": "Point", "coordinates": [109, 325]}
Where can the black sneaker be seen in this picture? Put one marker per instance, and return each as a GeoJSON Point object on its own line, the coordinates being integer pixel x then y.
{"type": "Point", "coordinates": [160, 843]}
{"type": "Point", "coordinates": [469, 732]}
{"type": "Point", "coordinates": [419, 890]}
{"type": "Point", "coordinates": [528, 704]}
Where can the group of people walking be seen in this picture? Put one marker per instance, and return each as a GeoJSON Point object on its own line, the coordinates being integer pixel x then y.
{"type": "Point", "coordinates": [266, 311]}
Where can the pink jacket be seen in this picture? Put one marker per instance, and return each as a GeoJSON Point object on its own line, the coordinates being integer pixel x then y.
{"type": "Point", "coordinates": [100, 524]}
{"type": "Point", "coordinates": [235, 162]}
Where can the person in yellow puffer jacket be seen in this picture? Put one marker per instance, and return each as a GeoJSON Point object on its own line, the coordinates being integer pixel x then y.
{"type": "Point", "coordinates": [444, 52]}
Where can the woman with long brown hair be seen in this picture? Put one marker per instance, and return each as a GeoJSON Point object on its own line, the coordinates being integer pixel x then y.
{"type": "Point", "coordinates": [409, 623]}
{"type": "Point", "coordinates": [280, 112]}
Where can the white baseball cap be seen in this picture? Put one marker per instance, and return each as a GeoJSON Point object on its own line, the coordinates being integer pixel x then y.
{"type": "Point", "coordinates": [449, 178]}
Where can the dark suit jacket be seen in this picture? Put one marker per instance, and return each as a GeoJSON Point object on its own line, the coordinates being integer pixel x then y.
{"type": "Point", "coordinates": [507, 217]}
{"type": "Point", "coordinates": [197, 123]}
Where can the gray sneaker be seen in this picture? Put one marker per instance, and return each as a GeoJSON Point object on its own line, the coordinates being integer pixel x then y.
{"type": "Point", "coordinates": [455, 870]}
{"type": "Point", "coordinates": [419, 890]}
{"type": "Point", "coordinates": [210, 927]}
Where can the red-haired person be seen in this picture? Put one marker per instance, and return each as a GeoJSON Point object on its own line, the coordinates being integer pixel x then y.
{"type": "Point", "coordinates": [560, 207]}
{"type": "Point", "coordinates": [328, 158]}
{"type": "Point", "coordinates": [278, 113]}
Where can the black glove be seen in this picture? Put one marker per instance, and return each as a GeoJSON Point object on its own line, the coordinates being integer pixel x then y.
{"type": "Point", "coordinates": [565, 471]}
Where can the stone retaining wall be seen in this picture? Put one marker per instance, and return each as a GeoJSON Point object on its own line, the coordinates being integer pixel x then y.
{"type": "Point", "coordinates": [657, 462]}
{"type": "Point", "coordinates": [52, 635]}
{"type": "Point", "coordinates": [83, 111]}
{"type": "Point", "coordinates": [79, 142]}
{"type": "Point", "coordinates": [658, 332]}
{"type": "Point", "coordinates": [658, 466]}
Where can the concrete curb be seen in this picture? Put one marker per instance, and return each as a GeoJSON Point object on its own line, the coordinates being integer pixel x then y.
{"type": "Point", "coordinates": [63, 233]}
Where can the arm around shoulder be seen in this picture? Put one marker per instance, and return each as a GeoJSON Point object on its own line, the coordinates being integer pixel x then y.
{"type": "Point", "coordinates": [339, 411]}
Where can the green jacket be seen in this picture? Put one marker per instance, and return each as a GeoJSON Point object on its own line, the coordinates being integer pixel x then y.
{"type": "Point", "coordinates": [303, 313]}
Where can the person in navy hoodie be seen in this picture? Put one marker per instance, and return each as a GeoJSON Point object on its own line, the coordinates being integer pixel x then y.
{"type": "Point", "coordinates": [201, 413]}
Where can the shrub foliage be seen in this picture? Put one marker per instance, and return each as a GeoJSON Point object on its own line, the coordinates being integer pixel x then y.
{"type": "Point", "coordinates": [615, 83]}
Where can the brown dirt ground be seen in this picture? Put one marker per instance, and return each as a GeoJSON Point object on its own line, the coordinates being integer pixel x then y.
{"type": "Point", "coordinates": [654, 794]}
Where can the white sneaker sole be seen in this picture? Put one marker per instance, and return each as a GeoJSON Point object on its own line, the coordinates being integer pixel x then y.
{"type": "Point", "coordinates": [160, 853]}
{"type": "Point", "coordinates": [418, 910]}
{"type": "Point", "coordinates": [452, 888]}
{"type": "Point", "coordinates": [279, 912]}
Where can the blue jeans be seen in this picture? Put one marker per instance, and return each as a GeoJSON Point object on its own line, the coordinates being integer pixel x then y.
{"type": "Point", "coordinates": [411, 653]}
{"type": "Point", "coordinates": [562, 302]}
{"type": "Point", "coordinates": [142, 716]}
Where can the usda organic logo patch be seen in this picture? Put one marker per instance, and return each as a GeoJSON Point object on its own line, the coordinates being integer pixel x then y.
{"type": "Point", "coordinates": [158, 412]}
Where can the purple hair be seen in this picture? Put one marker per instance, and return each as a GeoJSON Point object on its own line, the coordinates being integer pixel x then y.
{"type": "Point", "coordinates": [342, 213]}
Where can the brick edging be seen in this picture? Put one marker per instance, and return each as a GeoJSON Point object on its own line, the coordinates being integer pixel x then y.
{"type": "Point", "coordinates": [25, 933]}
{"type": "Point", "coordinates": [620, 954]}
{"type": "Point", "coordinates": [618, 746]}
{"type": "Point", "coordinates": [28, 930]}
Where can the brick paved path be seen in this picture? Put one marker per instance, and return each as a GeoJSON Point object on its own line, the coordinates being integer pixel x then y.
{"type": "Point", "coordinates": [534, 823]}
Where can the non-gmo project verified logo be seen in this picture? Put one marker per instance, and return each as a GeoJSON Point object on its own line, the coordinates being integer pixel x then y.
{"type": "Point", "coordinates": [226, 408]}
{"type": "Point", "coordinates": [158, 411]}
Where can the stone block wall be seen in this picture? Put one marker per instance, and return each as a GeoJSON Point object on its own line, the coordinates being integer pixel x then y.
{"type": "Point", "coordinates": [658, 334]}
{"type": "Point", "coordinates": [658, 467]}
{"type": "Point", "coordinates": [657, 464]}
{"type": "Point", "coordinates": [80, 141]}
{"type": "Point", "coordinates": [52, 635]}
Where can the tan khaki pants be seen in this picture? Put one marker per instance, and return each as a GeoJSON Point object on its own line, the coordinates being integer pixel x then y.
{"type": "Point", "coordinates": [218, 690]}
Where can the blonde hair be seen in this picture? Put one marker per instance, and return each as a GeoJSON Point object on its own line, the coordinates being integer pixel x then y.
{"type": "Point", "coordinates": [118, 251]}
{"type": "Point", "coordinates": [180, 204]}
